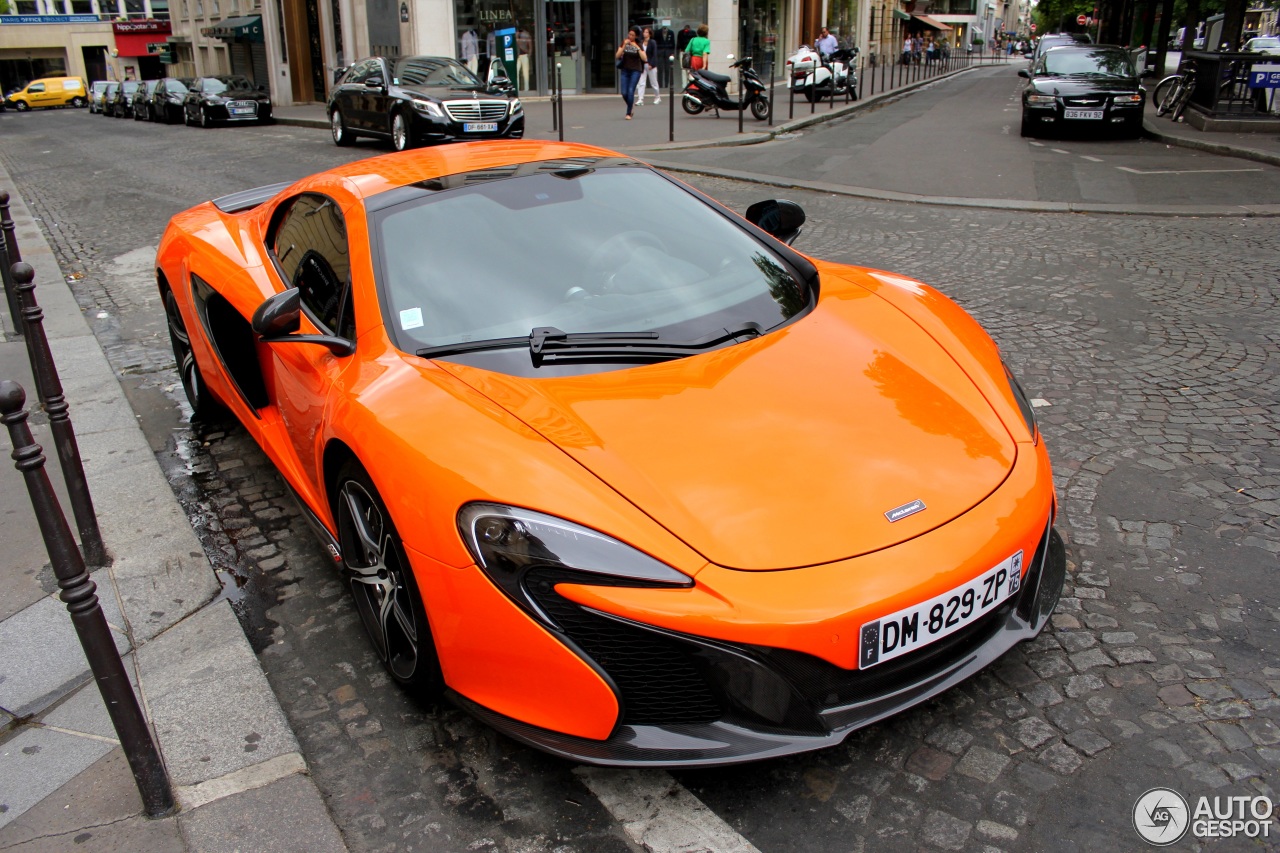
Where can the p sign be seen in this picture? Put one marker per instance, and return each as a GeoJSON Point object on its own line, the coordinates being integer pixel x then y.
{"type": "Point", "coordinates": [1264, 77]}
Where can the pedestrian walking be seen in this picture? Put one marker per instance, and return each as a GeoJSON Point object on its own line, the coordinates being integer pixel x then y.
{"type": "Point", "coordinates": [650, 74]}
{"type": "Point", "coordinates": [631, 60]}
{"type": "Point", "coordinates": [699, 49]}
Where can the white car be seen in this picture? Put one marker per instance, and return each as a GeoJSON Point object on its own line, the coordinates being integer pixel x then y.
{"type": "Point", "coordinates": [1268, 45]}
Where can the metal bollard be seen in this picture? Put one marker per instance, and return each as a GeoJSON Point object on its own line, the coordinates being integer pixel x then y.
{"type": "Point", "coordinates": [79, 593]}
{"type": "Point", "coordinates": [771, 76]}
{"type": "Point", "coordinates": [9, 254]}
{"type": "Point", "coordinates": [49, 387]}
{"type": "Point", "coordinates": [671, 98]}
{"type": "Point", "coordinates": [560, 99]}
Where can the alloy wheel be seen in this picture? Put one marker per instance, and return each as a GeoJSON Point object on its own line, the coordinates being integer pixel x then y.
{"type": "Point", "coordinates": [399, 132]}
{"type": "Point", "coordinates": [374, 567]}
{"type": "Point", "coordinates": [202, 407]}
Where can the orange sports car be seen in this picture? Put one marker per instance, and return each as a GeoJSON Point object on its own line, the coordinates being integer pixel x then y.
{"type": "Point", "coordinates": [614, 468]}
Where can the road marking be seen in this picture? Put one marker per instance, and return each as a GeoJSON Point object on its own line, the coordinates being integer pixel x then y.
{"type": "Point", "coordinates": [1059, 151]}
{"type": "Point", "coordinates": [238, 781]}
{"type": "Point", "coordinates": [659, 813]}
{"type": "Point", "coordinates": [1182, 171]}
{"type": "Point", "coordinates": [1090, 159]}
{"type": "Point", "coordinates": [1036, 144]}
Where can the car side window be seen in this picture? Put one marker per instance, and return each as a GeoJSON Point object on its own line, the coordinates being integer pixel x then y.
{"type": "Point", "coordinates": [36, 87]}
{"type": "Point", "coordinates": [310, 246]}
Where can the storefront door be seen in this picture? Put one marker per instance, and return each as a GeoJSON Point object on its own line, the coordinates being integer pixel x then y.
{"type": "Point", "coordinates": [600, 38]}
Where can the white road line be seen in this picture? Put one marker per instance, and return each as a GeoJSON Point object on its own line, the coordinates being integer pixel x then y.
{"type": "Point", "coordinates": [1182, 171]}
{"type": "Point", "coordinates": [660, 814]}
{"type": "Point", "coordinates": [1036, 144]}
{"type": "Point", "coordinates": [1090, 159]}
{"type": "Point", "coordinates": [1059, 151]}
{"type": "Point", "coordinates": [237, 781]}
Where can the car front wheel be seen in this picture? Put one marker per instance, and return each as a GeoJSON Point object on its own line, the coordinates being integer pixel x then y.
{"type": "Point", "coordinates": [376, 569]}
{"type": "Point", "coordinates": [22, 106]}
{"type": "Point", "coordinates": [338, 127]}
{"type": "Point", "coordinates": [401, 138]}
{"type": "Point", "coordinates": [205, 121]}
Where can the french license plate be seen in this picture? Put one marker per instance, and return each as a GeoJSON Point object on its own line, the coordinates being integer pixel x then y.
{"type": "Point", "coordinates": [921, 624]}
{"type": "Point", "coordinates": [1094, 114]}
{"type": "Point", "coordinates": [480, 127]}
{"type": "Point", "coordinates": [242, 111]}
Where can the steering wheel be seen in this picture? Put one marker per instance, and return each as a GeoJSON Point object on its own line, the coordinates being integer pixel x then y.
{"type": "Point", "coordinates": [611, 257]}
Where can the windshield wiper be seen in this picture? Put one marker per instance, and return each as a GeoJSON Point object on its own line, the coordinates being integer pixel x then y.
{"type": "Point", "coordinates": [548, 344]}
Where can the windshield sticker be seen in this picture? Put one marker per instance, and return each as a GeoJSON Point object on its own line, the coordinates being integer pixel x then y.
{"type": "Point", "coordinates": [410, 318]}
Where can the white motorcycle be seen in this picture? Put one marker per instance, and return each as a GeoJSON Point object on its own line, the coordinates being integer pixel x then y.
{"type": "Point", "coordinates": [818, 77]}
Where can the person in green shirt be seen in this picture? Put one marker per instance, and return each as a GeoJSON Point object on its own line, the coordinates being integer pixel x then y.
{"type": "Point", "coordinates": [699, 49]}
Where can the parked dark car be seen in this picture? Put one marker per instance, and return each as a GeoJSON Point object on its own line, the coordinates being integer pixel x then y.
{"type": "Point", "coordinates": [420, 99]}
{"type": "Point", "coordinates": [1090, 88]}
{"type": "Point", "coordinates": [165, 102]}
{"type": "Point", "coordinates": [225, 98]}
{"type": "Point", "coordinates": [142, 100]}
{"type": "Point", "coordinates": [109, 99]}
{"type": "Point", "coordinates": [123, 103]}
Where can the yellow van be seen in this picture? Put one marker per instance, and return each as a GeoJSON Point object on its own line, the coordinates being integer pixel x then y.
{"type": "Point", "coordinates": [50, 92]}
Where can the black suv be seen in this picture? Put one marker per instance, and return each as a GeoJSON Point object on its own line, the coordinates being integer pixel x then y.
{"type": "Point", "coordinates": [419, 99]}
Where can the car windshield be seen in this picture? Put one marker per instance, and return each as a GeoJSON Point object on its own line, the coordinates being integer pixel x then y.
{"type": "Point", "coordinates": [1093, 63]}
{"type": "Point", "coordinates": [434, 72]}
{"type": "Point", "coordinates": [130, 86]}
{"type": "Point", "coordinates": [214, 85]}
{"type": "Point", "coordinates": [1260, 43]}
{"type": "Point", "coordinates": [176, 86]}
{"type": "Point", "coordinates": [617, 248]}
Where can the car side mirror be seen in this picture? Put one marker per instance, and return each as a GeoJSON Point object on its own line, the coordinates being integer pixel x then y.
{"type": "Point", "coordinates": [778, 217]}
{"type": "Point", "coordinates": [1022, 72]}
{"type": "Point", "coordinates": [373, 83]}
{"type": "Point", "coordinates": [278, 319]}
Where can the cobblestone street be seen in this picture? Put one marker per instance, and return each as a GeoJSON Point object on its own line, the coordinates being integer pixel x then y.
{"type": "Point", "coordinates": [1152, 349]}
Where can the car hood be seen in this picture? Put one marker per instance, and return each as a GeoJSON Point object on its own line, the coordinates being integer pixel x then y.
{"type": "Point", "coordinates": [788, 450]}
{"type": "Point", "coordinates": [238, 95]}
{"type": "Point", "coordinates": [436, 94]}
{"type": "Point", "coordinates": [1071, 86]}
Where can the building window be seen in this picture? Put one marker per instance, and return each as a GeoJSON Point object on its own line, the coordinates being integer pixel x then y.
{"type": "Point", "coordinates": [217, 13]}
{"type": "Point", "coordinates": [199, 8]}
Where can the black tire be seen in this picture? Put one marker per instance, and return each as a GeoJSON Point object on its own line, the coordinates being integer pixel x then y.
{"type": "Point", "coordinates": [377, 572]}
{"type": "Point", "coordinates": [203, 405]}
{"type": "Point", "coordinates": [22, 106]}
{"type": "Point", "coordinates": [205, 121]}
{"type": "Point", "coordinates": [1160, 91]}
{"type": "Point", "coordinates": [810, 95]}
{"type": "Point", "coordinates": [853, 92]}
{"type": "Point", "coordinates": [338, 129]}
{"type": "Point", "coordinates": [139, 115]}
{"type": "Point", "coordinates": [77, 102]}
{"type": "Point", "coordinates": [760, 108]}
{"type": "Point", "coordinates": [186, 118]}
{"type": "Point", "coordinates": [691, 105]}
{"type": "Point", "coordinates": [1028, 130]}
{"type": "Point", "coordinates": [401, 132]}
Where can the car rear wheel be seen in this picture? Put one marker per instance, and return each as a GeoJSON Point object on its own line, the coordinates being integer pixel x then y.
{"type": "Point", "coordinates": [203, 406]}
{"type": "Point", "coordinates": [376, 568]}
{"type": "Point", "coordinates": [338, 127]}
{"type": "Point", "coordinates": [400, 136]}
{"type": "Point", "coordinates": [77, 102]}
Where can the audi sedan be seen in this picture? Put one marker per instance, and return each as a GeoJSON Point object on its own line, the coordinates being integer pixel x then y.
{"type": "Point", "coordinates": [555, 417]}
{"type": "Point", "coordinates": [225, 98]}
{"type": "Point", "coordinates": [416, 100]}
{"type": "Point", "coordinates": [1090, 90]}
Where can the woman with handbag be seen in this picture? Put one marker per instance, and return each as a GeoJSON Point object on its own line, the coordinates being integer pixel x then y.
{"type": "Point", "coordinates": [631, 60]}
{"type": "Point", "coordinates": [699, 49]}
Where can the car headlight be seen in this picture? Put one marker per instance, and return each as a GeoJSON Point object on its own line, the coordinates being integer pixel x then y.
{"type": "Point", "coordinates": [1040, 99]}
{"type": "Point", "coordinates": [1127, 99]}
{"type": "Point", "coordinates": [213, 99]}
{"type": "Point", "coordinates": [507, 542]}
{"type": "Point", "coordinates": [426, 107]}
{"type": "Point", "coordinates": [516, 106]}
{"type": "Point", "coordinates": [1024, 404]}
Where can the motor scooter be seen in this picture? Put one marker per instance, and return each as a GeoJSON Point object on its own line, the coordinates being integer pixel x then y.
{"type": "Point", "coordinates": [710, 91]}
{"type": "Point", "coordinates": [816, 76]}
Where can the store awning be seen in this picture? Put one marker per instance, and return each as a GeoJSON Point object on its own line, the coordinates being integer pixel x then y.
{"type": "Point", "coordinates": [930, 22]}
{"type": "Point", "coordinates": [248, 28]}
{"type": "Point", "coordinates": [901, 15]}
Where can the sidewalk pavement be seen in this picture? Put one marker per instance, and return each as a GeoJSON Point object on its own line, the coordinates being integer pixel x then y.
{"type": "Point", "coordinates": [237, 771]}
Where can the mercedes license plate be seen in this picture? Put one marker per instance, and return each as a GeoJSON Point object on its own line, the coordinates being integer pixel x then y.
{"type": "Point", "coordinates": [921, 624]}
{"type": "Point", "coordinates": [1095, 114]}
{"type": "Point", "coordinates": [480, 127]}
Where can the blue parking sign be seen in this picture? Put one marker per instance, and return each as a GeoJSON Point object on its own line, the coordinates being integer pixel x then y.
{"type": "Point", "coordinates": [1264, 77]}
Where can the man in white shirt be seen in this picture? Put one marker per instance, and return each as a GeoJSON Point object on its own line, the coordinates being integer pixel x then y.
{"type": "Point", "coordinates": [826, 44]}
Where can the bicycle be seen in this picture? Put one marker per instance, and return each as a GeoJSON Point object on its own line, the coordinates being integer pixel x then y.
{"type": "Point", "coordinates": [1173, 92]}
